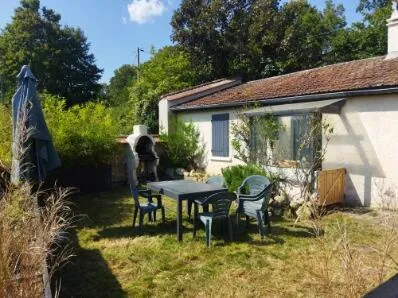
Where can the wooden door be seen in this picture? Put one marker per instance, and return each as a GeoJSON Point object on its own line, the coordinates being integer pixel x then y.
{"type": "Point", "coordinates": [331, 184]}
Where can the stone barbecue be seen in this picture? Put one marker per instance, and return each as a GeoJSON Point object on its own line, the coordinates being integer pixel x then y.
{"type": "Point", "coordinates": [142, 160]}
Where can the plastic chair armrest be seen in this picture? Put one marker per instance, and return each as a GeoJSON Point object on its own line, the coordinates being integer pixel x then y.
{"type": "Point", "coordinates": [249, 198]}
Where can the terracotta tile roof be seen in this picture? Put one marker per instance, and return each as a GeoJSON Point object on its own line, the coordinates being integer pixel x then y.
{"type": "Point", "coordinates": [373, 73]}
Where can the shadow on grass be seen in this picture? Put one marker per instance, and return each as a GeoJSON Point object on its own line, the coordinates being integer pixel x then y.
{"type": "Point", "coordinates": [298, 232]}
{"type": "Point", "coordinates": [88, 275]}
{"type": "Point", "coordinates": [147, 230]}
{"type": "Point", "coordinates": [104, 209]}
{"type": "Point", "coordinates": [356, 210]}
{"type": "Point", "coordinates": [242, 234]}
{"type": "Point", "coordinates": [111, 214]}
{"type": "Point", "coordinates": [249, 232]}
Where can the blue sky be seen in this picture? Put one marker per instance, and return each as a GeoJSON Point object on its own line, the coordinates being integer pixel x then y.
{"type": "Point", "coordinates": [116, 28]}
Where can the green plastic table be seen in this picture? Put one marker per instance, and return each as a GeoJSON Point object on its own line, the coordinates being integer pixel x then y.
{"type": "Point", "coordinates": [181, 190]}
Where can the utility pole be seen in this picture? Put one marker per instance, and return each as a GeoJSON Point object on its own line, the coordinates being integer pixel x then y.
{"type": "Point", "coordinates": [138, 64]}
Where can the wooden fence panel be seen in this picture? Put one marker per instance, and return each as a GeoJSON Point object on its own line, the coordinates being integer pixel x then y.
{"type": "Point", "coordinates": [331, 184]}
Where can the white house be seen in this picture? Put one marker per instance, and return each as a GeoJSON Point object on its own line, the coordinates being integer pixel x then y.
{"type": "Point", "coordinates": [358, 98]}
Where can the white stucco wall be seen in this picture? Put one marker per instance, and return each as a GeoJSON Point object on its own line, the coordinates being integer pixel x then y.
{"type": "Point", "coordinates": [202, 120]}
{"type": "Point", "coordinates": [164, 116]}
{"type": "Point", "coordinates": [365, 142]}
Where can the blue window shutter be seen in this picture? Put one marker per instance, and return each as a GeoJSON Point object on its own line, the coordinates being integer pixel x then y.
{"type": "Point", "coordinates": [220, 135]}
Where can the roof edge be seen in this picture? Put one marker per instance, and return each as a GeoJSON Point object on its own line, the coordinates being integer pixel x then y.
{"type": "Point", "coordinates": [227, 81]}
{"type": "Point", "coordinates": [191, 88]}
{"type": "Point", "coordinates": [186, 96]}
{"type": "Point", "coordinates": [291, 99]}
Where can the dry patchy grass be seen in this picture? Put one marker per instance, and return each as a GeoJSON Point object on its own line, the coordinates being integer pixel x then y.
{"type": "Point", "coordinates": [114, 261]}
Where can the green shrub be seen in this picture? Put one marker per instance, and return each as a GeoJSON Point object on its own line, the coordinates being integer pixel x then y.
{"type": "Point", "coordinates": [235, 175]}
{"type": "Point", "coordinates": [5, 135]}
{"type": "Point", "coordinates": [182, 145]}
{"type": "Point", "coordinates": [123, 115]}
{"type": "Point", "coordinates": [83, 134]}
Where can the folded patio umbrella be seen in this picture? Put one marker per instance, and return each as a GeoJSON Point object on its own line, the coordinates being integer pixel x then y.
{"type": "Point", "coordinates": [29, 125]}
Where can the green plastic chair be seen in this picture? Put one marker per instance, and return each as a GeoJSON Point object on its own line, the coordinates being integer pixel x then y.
{"type": "Point", "coordinates": [253, 198]}
{"type": "Point", "coordinates": [149, 207]}
{"type": "Point", "coordinates": [214, 180]}
{"type": "Point", "coordinates": [220, 204]}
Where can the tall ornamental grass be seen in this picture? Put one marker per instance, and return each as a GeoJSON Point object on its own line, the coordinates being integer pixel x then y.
{"type": "Point", "coordinates": [32, 238]}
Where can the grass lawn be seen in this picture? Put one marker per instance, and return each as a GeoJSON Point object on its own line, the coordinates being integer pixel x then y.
{"type": "Point", "coordinates": [112, 260]}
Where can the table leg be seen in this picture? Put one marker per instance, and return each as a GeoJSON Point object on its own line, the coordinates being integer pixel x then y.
{"type": "Point", "coordinates": [179, 220]}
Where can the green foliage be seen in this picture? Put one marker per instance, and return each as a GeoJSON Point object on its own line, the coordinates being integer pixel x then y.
{"type": "Point", "coordinates": [256, 38]}
{"type": "Point", "coordinates": [306, 35]}
{"type": "Point", "coordinates": [252, 136]}
{"type": "Point", "coordinates": [58, 55]}
{"type": "Point", "coordinates": [168, 70]}
{"type": "Point", "coordinates": [212, 32]}
{"type": "Point", "coordinates": [136, 102]}
{"type": "Point", "coordinates": [366, 6]}
{"type": "Point", "coordinates": [83, 134]}
{"type": "Point", "coordinates": [371, 36]}
{"type": "Point", "coordinates": [366, 38]}
{"type": "Point", "coordinates": [5, 136]}
{"type": "Point", "coordinates": [235, 175]}
{"type": "Point", "coordinates": [182, 145]}
{"type": "Point", "coordinates": [118, 89]}
{"type": "Point", "coordinates": [124, 116]}
{"type": "Point", "coordinates": [261, 38]}
{"type": "Point", "coordinates": [117, 96]}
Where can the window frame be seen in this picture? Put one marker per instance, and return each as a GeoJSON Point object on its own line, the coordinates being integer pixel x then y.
{"type": "Point", "coordinates": [298, 122]}
{"type": "Point", "coordinates": [226, 142]}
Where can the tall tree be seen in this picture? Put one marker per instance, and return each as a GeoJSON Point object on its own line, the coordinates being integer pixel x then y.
{"type": "Point", "coordinates": [262, 27]}
{"type": "Point", "coordinates": [218, 34]}
{"type": "Point", "coordinates": [333, 26]}
{"type": "Point", "coordinates": [168, 70]}
{"type": "Point", "coordinates": [59, 56]}
{"type": "Point", "coordinates": [367, 6]}
{"type": "Point", "coordinates": [371, 33]}
{"type": "Point", "coordinates": [255, 38]}
{"type": "Point", "coordinates": [195, 28]}
{"type": "Point", "coordinates": [308, 36]}
{"type": "Point", "coordinates": [302, 43]}
{"type": "Point", "coordinates": [119, 85]}
{"type": "Point", "coordinates": [367, 38]}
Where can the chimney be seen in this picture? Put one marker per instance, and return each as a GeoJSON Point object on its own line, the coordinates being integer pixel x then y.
{"type": "Point", "coordinates": [392, 24]}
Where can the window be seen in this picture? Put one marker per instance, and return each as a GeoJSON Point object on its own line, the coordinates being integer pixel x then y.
{"type": "Point", "coordinates": [301, 126]}
{"type": "Point", "coordinates": [220, 135]}
{"type": "Point", "coordinates": [263, 136]}
{"type": "Point", "coordinates": [290, 146]}
{"type": "Point", "coordinates": [294, 142]}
